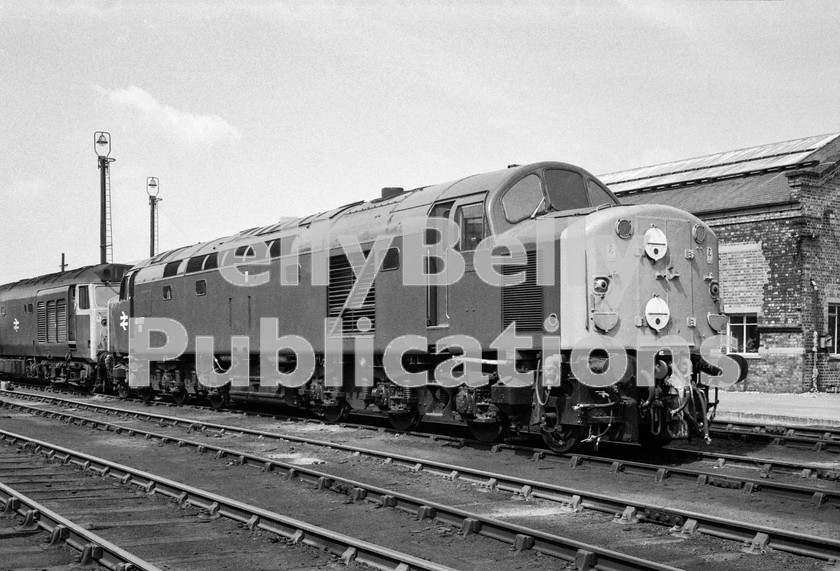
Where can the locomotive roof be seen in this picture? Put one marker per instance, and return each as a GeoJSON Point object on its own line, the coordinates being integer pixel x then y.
{"type": "Point", "coordinates": [365, 219]}
{"type": "Point", "coordinates": [86, 274]}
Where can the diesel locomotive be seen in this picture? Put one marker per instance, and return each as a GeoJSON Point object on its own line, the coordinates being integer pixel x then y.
{"type": "Point", "coordinates": [54, 327]}
{"type": "Point", "coordinates": [572, 316]}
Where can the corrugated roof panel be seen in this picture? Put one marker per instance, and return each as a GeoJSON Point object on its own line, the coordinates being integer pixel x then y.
{"type": "Point", "coordinates": [726, 194]}
{"type": "Point", "coordinates": [728, 163]}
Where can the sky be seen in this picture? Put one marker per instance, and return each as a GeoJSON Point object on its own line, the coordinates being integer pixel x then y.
{"type": "Point", "coordinates": [249, 112]}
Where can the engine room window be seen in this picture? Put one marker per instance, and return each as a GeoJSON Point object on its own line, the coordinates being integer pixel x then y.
{"type": "Point", "coordinates": [833, 325]}
{"type": "Point", "coordinates": [3, 311]}
{"type": "Point", "coordinates": [274, 248]}
{"type": "Point", "coordinates": [391, 261]}
{"type": "Point", "coordinates": [523, 198]}
{"type": "Point", "coordinates": [212, 261]}
{"type": "Point", "coordinates": [597, 194]}
{"type": "Point", "coordinates": [566, 189]}
{"type": "Point", "coordinates": [743, 333]}
{"type": "Point", "coordinates": [194, 264]}
{"type": "Point", "coordinates": [167, 292]}
{"type": "Point", "coordinates": [200, 287]}
{"type": "Point", "coordinates": [30, 308]}
{"type": "Point", "coordinates": [171, 269]}
{"type": "Point", "coordinates": [84, 298]}
{"type": "Point", "coordinates": [473, 226]}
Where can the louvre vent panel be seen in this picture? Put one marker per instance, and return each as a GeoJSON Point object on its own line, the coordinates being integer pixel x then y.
{"type": "Point", "coordinates": [51, 322]}
{"type": "Point", "coordinates": [341, 283]}
{"type": "Point", "coordinates": [61, 321]}
{"type": "Point", "coordinates": [42, 322]}
{"type": "Point", "coordinates": [523, 303]}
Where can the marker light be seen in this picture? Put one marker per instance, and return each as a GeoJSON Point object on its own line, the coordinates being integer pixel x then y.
{"type": "Point", "coordinates": [624, 229]}
{"type": "Point", "coordinates": [699, 233]}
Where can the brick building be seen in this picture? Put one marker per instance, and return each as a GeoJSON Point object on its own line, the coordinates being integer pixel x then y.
{"type": "Point", "coordinates": [776, 210]}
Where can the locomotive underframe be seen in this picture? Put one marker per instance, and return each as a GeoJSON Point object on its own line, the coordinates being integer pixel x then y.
{"type": "Point", "coordinates": [69, 370]}
{"type": "Point", "coordinates": [567, 414]}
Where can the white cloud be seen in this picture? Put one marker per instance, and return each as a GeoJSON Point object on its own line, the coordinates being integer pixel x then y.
{"type": "Point", "coordinates": [187, 126]}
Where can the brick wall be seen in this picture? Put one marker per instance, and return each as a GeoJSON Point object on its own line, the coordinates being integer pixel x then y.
{"type": "Point", "coordinates": [768, 261]}
{"type": "Point", "coordinates": [760, 273]}
{"type": "Point", "coordinates": [818, 189]}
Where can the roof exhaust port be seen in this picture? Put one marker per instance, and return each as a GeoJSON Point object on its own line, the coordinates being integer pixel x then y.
{"type": "Point", "coordinates": [391, 192]}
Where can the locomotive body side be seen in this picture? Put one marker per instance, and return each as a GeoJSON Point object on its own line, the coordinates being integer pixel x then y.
{"type": "Point", "coordinates": [53, 327]}
{"type": "Point", "coordinates": [578, 274]}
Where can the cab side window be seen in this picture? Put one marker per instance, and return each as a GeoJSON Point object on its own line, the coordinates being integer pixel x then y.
{"type": "Point", "coordinates": [473, 226]}
{"type": "Point", "coordinates": [523, 198]}
{"type": "Point", "coordinates": [84, 298]}
{"type": "Point", "coordinates": [597, 194]}
{"type": "Point", "coordinates": [566, 189]}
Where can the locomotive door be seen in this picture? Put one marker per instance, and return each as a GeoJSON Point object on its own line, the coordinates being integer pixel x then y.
{"type": "Point", "coordinates": [437, 302]}
{"type": "Point", "coordinates": [83, 319]}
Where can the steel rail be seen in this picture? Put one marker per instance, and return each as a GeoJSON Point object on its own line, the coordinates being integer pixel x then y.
{"type": "Point", "coordinates": [767, 466]}
{"type": "Point", "coordinates": [814, 432]}
{"type": "Point", "coordinates": [793, 437]}
{"type": "Point", "coordinates": [684, 523]}
{"type": "Point", "coordinates": [92, 547]}
{"type": "Point", "coordinates": [520, 537]}
{"type": "Point", "coordinates": [816, 496]}
{"type": "Point", "coordinates": [296, 531]}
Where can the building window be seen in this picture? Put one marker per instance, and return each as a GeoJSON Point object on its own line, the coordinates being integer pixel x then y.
{"type": "Point", "coordinates": [743, 333]}
{"type": "Point", "coordinates": [200, 287]}
{"type": "Point", "coordinates": [833, 323]}
{"type": "Point", "coordinates": [167, 292]}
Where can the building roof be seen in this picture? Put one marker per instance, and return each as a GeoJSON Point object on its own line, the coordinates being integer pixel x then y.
{"type": "Point", "coordinates": [722, 181]}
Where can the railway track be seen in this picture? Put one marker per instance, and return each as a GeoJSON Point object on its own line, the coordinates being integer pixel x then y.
{"type": "Point", "coordinates": [94, 502]}
{"type": "Point", "coordinates": [802, 437]}
{"type": "Point", "coordinates": [32, 535]}
{"type": "Point", "coordinates": [682, 523]}
{"type": "Point", "coordinates": [520, 538]}
{"type": "Point", "coordinates": [621, 459]}
{"type": "Point", "coordinates": [819, 439]}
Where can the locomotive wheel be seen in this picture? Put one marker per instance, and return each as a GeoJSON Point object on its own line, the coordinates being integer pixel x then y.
{"type": "Point", "coordinates": [122, 391]}
{"type": "Point", "coordinates": [147, 394]}
{"type": "Point", "coordinates": [180, 396]}
{"type": "Point", "coordinates": [405, 421]}
{"type": "Point", "coordinates": [564, 438]}
{"type": "Point", "coordinates": [217, 400]}
{"type": "Point", "coordinates": [337, 413]}
{"type": "Point", "coordinates": [488, 431]}
{"type": "Point", "coordinates": [649, 440]}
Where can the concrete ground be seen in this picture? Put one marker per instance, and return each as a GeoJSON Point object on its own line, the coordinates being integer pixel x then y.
{"type": "Point", "coordinates": [806, 409]}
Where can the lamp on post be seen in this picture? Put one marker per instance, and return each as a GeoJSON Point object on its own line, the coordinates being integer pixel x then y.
{"type": "Point", "coordinates": [152, 189]}
{"type": "Point", "coordinates": [102, 146]}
